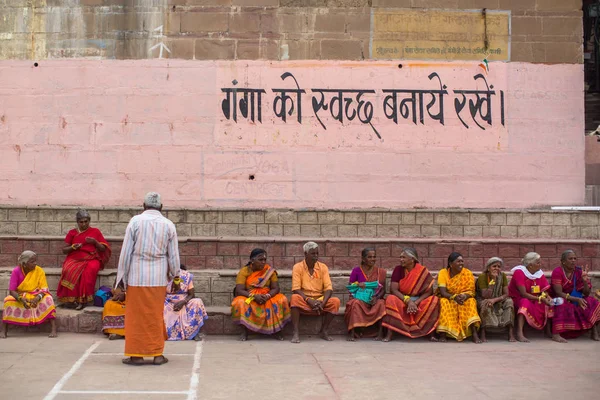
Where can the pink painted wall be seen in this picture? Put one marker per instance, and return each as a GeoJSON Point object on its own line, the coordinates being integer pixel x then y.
{"type": "Point", "coordinates": [105, 132]}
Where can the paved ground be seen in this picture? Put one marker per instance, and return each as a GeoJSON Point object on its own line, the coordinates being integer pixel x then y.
{"type": "Point", "coordinates": [86, 367]}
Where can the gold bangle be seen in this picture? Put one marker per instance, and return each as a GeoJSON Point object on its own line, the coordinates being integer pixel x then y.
{"type": "Point", "coordinates": [452, 297]}
{"type": "Point", "coordinates": [567, 296]}
{"type": "Point", "coordinates": [406, 298]}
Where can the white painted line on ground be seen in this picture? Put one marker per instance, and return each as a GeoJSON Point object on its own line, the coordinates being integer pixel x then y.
{"type": "Point", "coordinates": [195, 378]}
{"type": "Point", "coordinates": [122, 392]}
{"type": "Point", "coordinates": [121, 354]}
{"type": "Point", "coordinates": [56, 389]}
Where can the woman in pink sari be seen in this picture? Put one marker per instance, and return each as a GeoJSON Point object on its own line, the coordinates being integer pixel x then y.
{"type": "Point", "coordinates": [580, 311]}
{"type": "Point", "coordinates": [87, 252]}
{"type": "Point", "coordinates": [529, 290]}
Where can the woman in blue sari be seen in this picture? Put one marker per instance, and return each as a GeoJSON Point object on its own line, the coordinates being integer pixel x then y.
{"type": "Point", "coordinates": [184, 314]}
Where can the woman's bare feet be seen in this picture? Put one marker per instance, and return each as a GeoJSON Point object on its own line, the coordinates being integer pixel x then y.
{"type": "Point", "coordinates": [595, 334]}
{"type": "Point", "coordinates": [352, 336]}
{"type": "Point", "coordinates": [114, 336]}
{"type": "Point", "coordinates": [296, 338]}
{"type": "Point", "coordinates": [521, 338]}
{"type": "Point", "coordinates": [443, 338]}
{"type": "Point", "coordinates": [278, 336]}
{"type": "Point", "coordinates": [388, 336]}
{"type": "Point", "coordinates": [80, 307]}
{"type": "Point", "coordinates": [244, 335]}
{"type": "Point", "coordinates": [433, 338]}
{"type": "Point", "coordinates": [476, 338]}
{"type": "Point", "coordinates": [2, 335]}
{"type": "Point", "coordinates": [558, 338]}
{"type": "Point", "coordinates": [53, 333]}
{"type": "Point", "coordinates": [325, 336]}
{"type": "Point", "coordinates": [482, 336]}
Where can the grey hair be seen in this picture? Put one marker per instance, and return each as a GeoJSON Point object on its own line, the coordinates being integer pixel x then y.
{"type": "Point", "coordinates": [308, 246]}
{"type": "Point", "coordinates": [25, 257]}
{"type": "Point", "coordinates": [492, 261]}
{"type": "Point", "coordinates": [81, 214]}
{"type": "Point", "coordinates": [566, 253]}
{"type": "Point", "coordinates": [411, 252]}
{"type": "Point", "coordinates": [530, 258]}
{"type": "Point", "coordinates": [152, 200]}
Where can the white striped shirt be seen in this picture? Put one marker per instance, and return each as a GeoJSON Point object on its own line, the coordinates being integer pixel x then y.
{"type": "Point", "coordinates": [150, 251]}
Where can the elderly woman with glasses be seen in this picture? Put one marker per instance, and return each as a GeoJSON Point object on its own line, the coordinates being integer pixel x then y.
{"type": "Point", "coordinates": [496, 308]}
{"type": "Point", "coordinates": [29, 302]}
{"type": "Point", "coordinates": [411, 308]}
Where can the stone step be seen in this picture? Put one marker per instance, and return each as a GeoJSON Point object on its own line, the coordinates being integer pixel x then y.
{"type": "Point", "coordinates": [89, 320]}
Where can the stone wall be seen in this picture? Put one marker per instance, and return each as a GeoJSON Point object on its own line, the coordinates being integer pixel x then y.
{"type": "Point", "coordinates": [210, 223]}
{"type": "Point", "coordinates": [543, 31]}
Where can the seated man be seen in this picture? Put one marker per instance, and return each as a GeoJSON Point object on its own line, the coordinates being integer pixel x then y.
{"type": "Point", "coordinates": [311, 288]}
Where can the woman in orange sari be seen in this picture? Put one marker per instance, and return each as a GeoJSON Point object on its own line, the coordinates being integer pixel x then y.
{"type": "Point", "coordinates": [87, 252]}
{"type": "Point", "coordinates": [259, 306]}
{"type": "Point", "coordinates": [458, 307]}
{"type": "Point", "coordinates": [361, 312]}
{"type": "Point", "coordinates": [411, 309]}
{"type": "Point", "coordinates": [29, 302]}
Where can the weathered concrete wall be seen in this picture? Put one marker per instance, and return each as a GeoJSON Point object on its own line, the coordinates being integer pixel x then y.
{"type": "Point", "coordinates": [104, 133]}
{"type": "Point", "coordinates": [544, 31]}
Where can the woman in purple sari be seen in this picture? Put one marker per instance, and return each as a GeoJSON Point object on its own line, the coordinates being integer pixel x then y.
{"type": "Point", "coordinates": [580, 311]}
{"type": "Point", "coordinates": [360, 314]}
{"type": "Point", "coordinates": [184, 313]}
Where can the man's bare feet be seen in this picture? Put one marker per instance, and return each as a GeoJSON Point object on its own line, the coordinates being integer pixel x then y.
{"type": "Point", "coordinates": [296, 338]}
{"type": "Point", "coordinates": [2, 335]}
{"type": "Point", "coordinates": [521, 338]}
{"type": "Point", "coordinates": [558, 338]}
{"type": "Point", "coordinates": [325, 336]}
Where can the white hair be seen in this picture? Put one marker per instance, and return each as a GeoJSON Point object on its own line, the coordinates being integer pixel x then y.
{"type": "Point", "coordinates": [25, 257]}
{"type": "Point", "coordinates": [530, 258]}
{"type": "Point", "coordinates": [152, 200]}
{"type": "Point", "coordinates": [308, 246]}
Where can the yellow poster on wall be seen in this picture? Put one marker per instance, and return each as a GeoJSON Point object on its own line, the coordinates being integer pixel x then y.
{"type": "Point", "coordinates": [440, 35]}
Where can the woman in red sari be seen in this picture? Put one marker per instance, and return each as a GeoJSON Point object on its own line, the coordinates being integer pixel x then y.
{"type": "Point", "coordinates": [529, 290]}
{"type": "Point", "coordinates": [411, 309]}
{"type": "Point", "coordinates": [360, 314]}
{"type": "Point", "coordinates": [580, 311]}
{"type": "Point", "coordinates": [87, 252]}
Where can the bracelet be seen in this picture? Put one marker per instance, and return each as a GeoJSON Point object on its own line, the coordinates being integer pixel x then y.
{"type": "Point", "coordinates": [567, 296]}
{"type": "Point", "coordinates": [452, 297]}
{"type": "Point", "coordinates": [73, 246]}
{"type": "Point", "coordinates": [406, 298]}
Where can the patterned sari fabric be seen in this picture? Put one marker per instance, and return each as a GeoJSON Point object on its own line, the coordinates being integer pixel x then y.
{"type": "Point", "coordinates": [358, 313]}
{"type": "Point", "coordinates": [28, 286]}
{"type": "Point", "coordinates": [536, 314]}
{"type": "Point", "coordinates": [455, 319]}
{"type": "Point", "coordinates": [570, 319]}
{"type": "Point", "coordinates": [501, 315]}
{"type": "Point", "coordinates": [78, 279]}
{"type": "Point", "coordinates": [184, 324]}
{"type": "Point", "coordinates": [413, 284]}
{"type": "Point", "coordinates": [113, 317]}
{"type": "Point", "coordinates": [267, 318]}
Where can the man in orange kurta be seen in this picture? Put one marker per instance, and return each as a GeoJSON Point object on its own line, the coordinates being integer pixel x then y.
{"type": "Point", "coordinates": [312, 290]}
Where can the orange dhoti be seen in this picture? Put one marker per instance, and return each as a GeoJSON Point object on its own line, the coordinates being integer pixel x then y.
{"type": "Point", "coordinates": [332, 306]}
{"type": "Point", "coordinates": [145, 331]}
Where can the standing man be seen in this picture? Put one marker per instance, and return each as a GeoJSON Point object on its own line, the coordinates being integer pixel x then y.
{"type": "Point", "coordinates": [149, 259]}
{"type": "Point", "coordinates": [312, 290]}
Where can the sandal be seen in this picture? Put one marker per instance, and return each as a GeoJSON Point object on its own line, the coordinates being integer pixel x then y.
{"type": "Point", "coordinates": [133, 361]}
{"type": "Point", "coordinates": [160, 360]}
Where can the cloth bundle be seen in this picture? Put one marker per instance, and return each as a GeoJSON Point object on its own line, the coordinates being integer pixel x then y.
{"type": "Point", "coordinates": [365, 294]}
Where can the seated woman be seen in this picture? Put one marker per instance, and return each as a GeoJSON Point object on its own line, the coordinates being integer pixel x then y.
{"type": "Point", "coordinates": [411, 309]}
{"type": "Point", "coordinates": [458, 307]}
{"type": "Point", "coordinates": [258, 306]}
{"type": "Point", "coordinates": [87, 252]}
{"type": "Point", "coordinates": [184, 313]}
{"type": "Point", "coordinates": [360, 314]}
{"type": "Point", "coordinates": [496, 308]}
{"type": "Point", "coordinates": [529, 290]}
{"type": "Point", "coordinates": [30, 302]}
{"type": "Point", "coordinates": [580, 311]}
{"type": "Point", "coordinates": [113, 315]}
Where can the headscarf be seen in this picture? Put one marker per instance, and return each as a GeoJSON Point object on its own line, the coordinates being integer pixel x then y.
{"type": "Point", "coordinates": [497, 288]}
